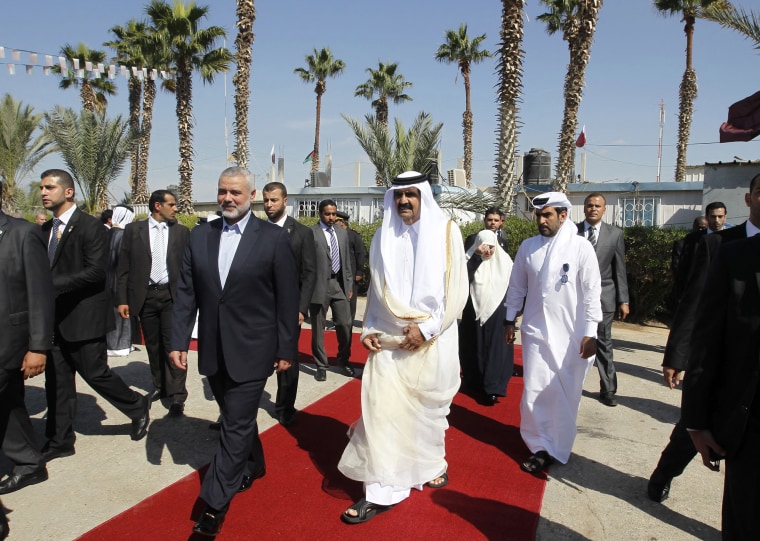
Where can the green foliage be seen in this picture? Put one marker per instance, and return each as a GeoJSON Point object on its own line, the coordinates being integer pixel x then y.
{"type": "Point", "coordinates": [188, 220]}
{"type": "Point", "coordinates": [647, 259]}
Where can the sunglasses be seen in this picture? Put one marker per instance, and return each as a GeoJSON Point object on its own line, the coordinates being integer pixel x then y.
{"type": "Point", "coordinates": [565, 268]}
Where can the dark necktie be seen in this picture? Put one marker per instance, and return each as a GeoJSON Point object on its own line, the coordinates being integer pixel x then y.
{"type": "Point", "coordinates": [334, 251]}
{"type": "Point", "coordinates": [54, 238]}
{"type": "Point", "coordinates": [592, 236]}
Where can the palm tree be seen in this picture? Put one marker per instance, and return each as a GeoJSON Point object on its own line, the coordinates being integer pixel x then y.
{"type": "Point", "coordinates": [246, 15]}
{"type": "Point", "coordinates": [20, 150]}
{"type": "Point", "coordinates": [463, 51]}
{"type": "Point", "coordinates": [190, 48]}
{"type": "Point", "coordinates": [319, 67]}
{"type": "Point", "coordinates": [510, 70]}
{"type": "Point", "coordinates": [135, 45]}
{"type": "Point", "coordinates": [93, 86]}
{"type": "Point", "coordinates": [687, 92]}
{"type": "Point", "coordinates": [94, 149]}
{"type": "Point", "coordinates": [576, 19]}
{"type": "Point", "coordinates": [736, 19]}
{"type": "Point", "coordinates": [406, 150]}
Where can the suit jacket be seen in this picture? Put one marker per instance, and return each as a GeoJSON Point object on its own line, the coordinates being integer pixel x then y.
{"type": "Point", "coordinates": [324, 269]}
{"type": "Point", "coordinates": [26, 292]}
{"type": "Point", "coordinates": [357, 251]}
{"type": "Point", "coordinates": [679, 345]}
{"type": "Point", "coordinates": [253, 320]}
{"type": "Point", "coordinates": [610, 252]}
{"type": "Point", "coordinates": [83, 307]}
{"type": "Point", "coordinates": [302, 242]}
{"type": "Point", "coordinates": [722, 382]}
{"type": "Point", "coordinates": [683, 261]}
{"type": "Point", "coordinates": [501, 239]}
{"type": "Point", "coordinates": [136, 259]}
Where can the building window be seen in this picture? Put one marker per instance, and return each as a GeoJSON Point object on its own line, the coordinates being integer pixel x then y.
{"type": "Point", "coordinates": [640, 211]}
{"type": "Point", "coordinates": [308, 208]}
{"type": "Point", "coordinates": [378, 206]}
{"type": "Point", "coordinates": [352, 207]}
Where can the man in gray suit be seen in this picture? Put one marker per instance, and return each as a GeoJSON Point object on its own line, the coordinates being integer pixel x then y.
{"type": "Point", "coordinates": [333, 288]}
{"type": "Point", "coordinates": [610, 251]}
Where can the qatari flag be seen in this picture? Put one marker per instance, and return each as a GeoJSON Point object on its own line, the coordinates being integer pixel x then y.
{"type": "Point", "coordinates": [743, 122]}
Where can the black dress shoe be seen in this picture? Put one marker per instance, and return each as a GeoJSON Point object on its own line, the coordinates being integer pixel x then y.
{"type": "Point", "coordinates": [287, 419]}
{"type": "Point", "coordinates": [321, 374]}
{"type": "Point", "coordinates": [15, 482]}
{"type": "Point", "coordinates": [608, 399]}
{"type": "Point", "coordinates": [51, 453]}
{"type": "Point", "coordinates": [658, 488]}
{"type": "Point", "coordinates": [210, 523]}
{"type": "Point", "coordinates": [347, 370]}
{"type": "Point", "coordinates": [249, 479]}
{"type": "Point", "coordinates": [176, 409]}
{"type": "Point", "coordinates": [491, 399]}
{"type": "Point", "coordinates": [140, 425]}
{"type": "Point", "coordinates": [155, 395]}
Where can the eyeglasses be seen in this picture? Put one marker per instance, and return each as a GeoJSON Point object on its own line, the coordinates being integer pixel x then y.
{"type": "Point", "coordinates": [565, 268]}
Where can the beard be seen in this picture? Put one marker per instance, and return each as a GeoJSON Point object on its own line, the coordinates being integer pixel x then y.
{"type": "Point", "coordinates": [235, 212]}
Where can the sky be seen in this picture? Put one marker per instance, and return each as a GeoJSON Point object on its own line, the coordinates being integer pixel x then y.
{"type": "Point", "coordinates": [637, 61]}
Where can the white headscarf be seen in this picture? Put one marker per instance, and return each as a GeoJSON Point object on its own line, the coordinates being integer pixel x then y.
{"type": "Point", "coordinates": [489, 285]}
{"type": "Point", "coordinates": [430, 260]}
{"type": "Point", "coordinates": [560, 248]}
{"type": "Point", "coordinates": [121, 217]}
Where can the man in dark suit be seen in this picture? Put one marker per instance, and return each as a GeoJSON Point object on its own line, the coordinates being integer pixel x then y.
{"type": "Point", "coordinates": [275, 196]}
{"type": "Point", "coordinates": [682, 256]}
{"type": "Point", "coordinates": [149, 265]}
{"type": "Point", "coordinates": [358, 257]}
{"type": "Point", "coordinates": [493, 219]}
{"type": "Point", "coordinates": [78, 253]}
{"type": "Point", "coordinates": [720, 406]}
{"type": "Point", "coordinates": [678, 349]}
{"type": "Point", "coordinates": [610, 251]}
{"type": "Point", "coordinates": [333, 288]}
{"type": "Point", "coordinates": [26, 327]}
{"type": "Point", "coordinates": [239, 273]}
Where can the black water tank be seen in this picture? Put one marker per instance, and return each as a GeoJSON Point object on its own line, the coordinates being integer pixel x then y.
{"type": "Point", "coordinates": [537, 167]}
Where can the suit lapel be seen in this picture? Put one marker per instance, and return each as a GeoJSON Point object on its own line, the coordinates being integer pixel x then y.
{"type": "Point", "coordinates": [212, 245]}
{"type": "Point", "coordinates": [144, 234]}
{"type": "Point", "coordinates": [247, 242]}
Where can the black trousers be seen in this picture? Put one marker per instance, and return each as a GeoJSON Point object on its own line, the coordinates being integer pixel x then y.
{"type": "Point", "coordinates": [16, 432]}
{"type": "Point", "coordinates": [287, 388]}
{"type": "Point", "coordinates": [607, 375]}
{"type": "Point", "coordinates": [156, 321]}
{"type": "Point", "coordinates": [240, 451]}
{"type": "Point", "coordinates": [89, 359]}
{"type": "Point", "coordinates": [741, 492]}
{"type": "Point", "coordinates": [677, 454]}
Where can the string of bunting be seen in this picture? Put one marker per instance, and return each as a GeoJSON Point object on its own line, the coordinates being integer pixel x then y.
{"type": "Point", "coordinates": [97, 69]}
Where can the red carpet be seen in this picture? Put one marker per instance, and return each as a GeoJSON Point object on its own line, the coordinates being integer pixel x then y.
{"type": "Point", "coordinates": [303, 494]}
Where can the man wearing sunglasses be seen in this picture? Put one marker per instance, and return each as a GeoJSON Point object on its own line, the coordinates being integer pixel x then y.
{"type": "Point", "coordinates": [556, 276]}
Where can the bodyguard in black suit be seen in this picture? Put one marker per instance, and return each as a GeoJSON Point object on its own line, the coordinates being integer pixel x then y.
{"type": "Point", "coordinates": [26, 328]}
{"type": "Point", "coordinates": [275, 196]}
{"type": "Point", "coordinates": [679, 347]}
{"type": "Point", "coordinates": [78, 253]}
{"type": "Point", "coordinates": [610, 251]}
{"type": "Point", "coordinates": [721, 402]}
{"type": "Point", "coordinates": [358, 257]}
{"type": "Point", "coordinates": [147, 287]}
{"type": "Point", "coordinates": [239, 273]}
{"type": "Point", "coordinates": [333, 288]}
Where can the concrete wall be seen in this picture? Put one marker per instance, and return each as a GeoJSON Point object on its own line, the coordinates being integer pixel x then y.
{"type": "Point", "coordinates": [728, 182]}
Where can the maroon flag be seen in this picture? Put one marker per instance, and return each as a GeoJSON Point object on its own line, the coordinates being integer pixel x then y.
{"type": "Point", "coordinates": [581, 138]}
{"type": "Point", "coordinates": [743, 122]}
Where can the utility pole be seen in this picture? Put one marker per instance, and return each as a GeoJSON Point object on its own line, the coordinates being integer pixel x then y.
{"type": "Point", "coordinates": [659, 145]}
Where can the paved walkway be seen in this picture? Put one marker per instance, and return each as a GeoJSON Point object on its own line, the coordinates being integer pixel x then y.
{"type": "Point", "coordinates": [600, 494]}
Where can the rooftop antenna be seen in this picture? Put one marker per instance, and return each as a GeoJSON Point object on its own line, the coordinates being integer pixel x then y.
{"type": "Point", "coordinates": [659, 145]}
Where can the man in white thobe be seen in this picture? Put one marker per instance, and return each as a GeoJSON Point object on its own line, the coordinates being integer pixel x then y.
{"type": "Point", "coordinates": [418, 288]}
{"type": "Point", "coordinates": [556, 276]}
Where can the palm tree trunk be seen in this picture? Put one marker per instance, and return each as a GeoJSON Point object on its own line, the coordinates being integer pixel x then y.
{"type": "Point", "coordinates": [686, 96]}
{"type": "Point", "coordinates": [467, 123]}
{"type": "Point", "coordinates": [510, 89]}
{"type": "Point", "coordinates": [140, 193]}
{"type": "Point", "coordinates": [185, 127]}
{"type": "Point", "coordinates": [87, 94]}
{"type": "Point", "coordinates": [381, 113]}
{"type": "Point", "coordinates": [246, 14]}
{"type": "Point", "coordinates": [135, 94]}
{"type": "Point", "coordinates": [315, 159]}
{"type": "Point", "coordinates": [575, 79]}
